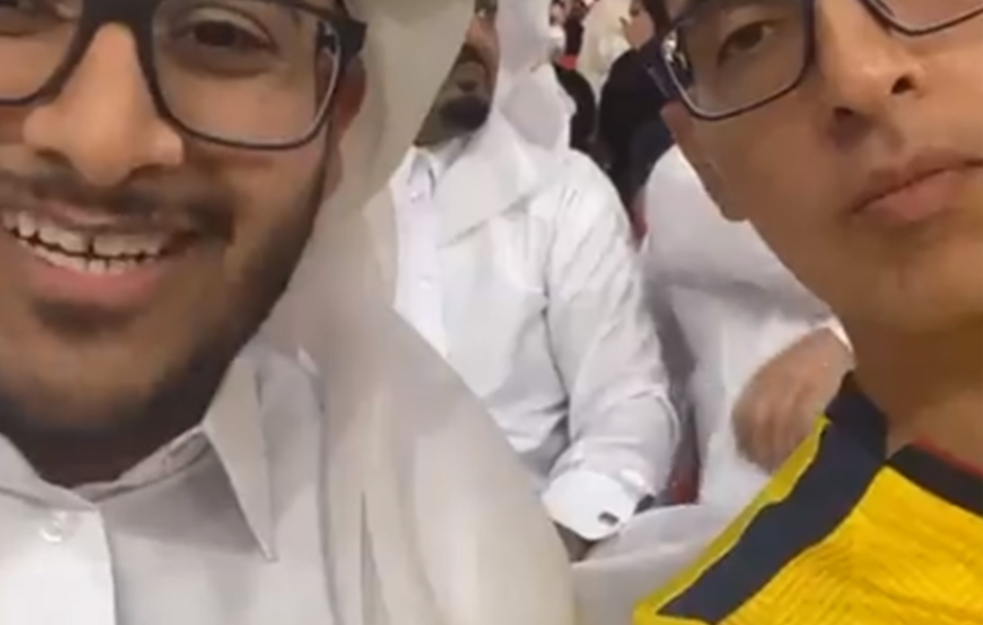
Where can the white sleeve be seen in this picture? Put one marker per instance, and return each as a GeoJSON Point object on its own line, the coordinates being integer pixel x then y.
{"type": "Point", "coordinates": [623, 429]}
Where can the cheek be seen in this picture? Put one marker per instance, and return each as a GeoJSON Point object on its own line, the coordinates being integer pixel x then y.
{"type": "Point", "coordinates": [791, 200]}
{"type": "Point", "coordinates": [276, 204]}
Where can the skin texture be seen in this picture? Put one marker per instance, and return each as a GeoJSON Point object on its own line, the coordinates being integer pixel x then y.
{"type": "Point", "coordinates": [910, 295]}
{"type": "Point", "coordinates": [464, 101]}
{"type": "Point", "coordinates": [88, 389]}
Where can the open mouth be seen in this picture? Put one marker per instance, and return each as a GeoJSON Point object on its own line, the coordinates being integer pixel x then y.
{"type": "Point", "coordinates": [90, 252]}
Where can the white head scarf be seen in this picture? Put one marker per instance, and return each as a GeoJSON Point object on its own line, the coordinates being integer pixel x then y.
{"type": "Point", "coordinates": [529, 94]}
{"type": "Point", "coordinates": [604, 40]}
{"type": "Point", "coordinates": [430, 518]}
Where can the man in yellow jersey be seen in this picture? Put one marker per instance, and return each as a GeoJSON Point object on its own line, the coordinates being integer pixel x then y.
{"type": "Point", "coordinates": [850, 134]}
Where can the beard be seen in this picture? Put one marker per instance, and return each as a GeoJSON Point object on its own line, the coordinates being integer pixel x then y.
{"type": "Point", "coordinates": [466, 113]}
{"type": "Point", "coordinates": [68, 406]}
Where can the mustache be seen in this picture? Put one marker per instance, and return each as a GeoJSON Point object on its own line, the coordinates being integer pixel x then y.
{"type": "Point", "coordinates": [147, 200]}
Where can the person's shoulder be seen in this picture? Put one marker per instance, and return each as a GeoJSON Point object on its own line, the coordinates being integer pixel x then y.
{"type": "Point", "coordinates": [581, 182]}
{"type": "Point", "coordinates": [802, 506]}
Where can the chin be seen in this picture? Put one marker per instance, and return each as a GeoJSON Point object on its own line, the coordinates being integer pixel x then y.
{"type": "Point", "coordinates": [468, 113]}
{"type": "Point", "coordinates": [98, 387]}
{"type": "Point", "coordinates": [84, 405]}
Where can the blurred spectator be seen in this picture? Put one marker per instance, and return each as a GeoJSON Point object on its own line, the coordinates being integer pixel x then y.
{"type": "Point", "coordinates": [583, 123]}
{"type": "Point", "coordinates": [574, 27]}
{"type": "Point", "coordinates": [631, 133]}
{"type": "Point", "coordinates": [514, 262]}
{"type": "Point", "coordinates": [604, 40]}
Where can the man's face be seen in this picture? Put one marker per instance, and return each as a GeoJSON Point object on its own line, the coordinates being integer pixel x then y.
{"type": "Point", "coordinates": [464, 102]}
{"type": "Point", "coordinates": [136, 259]}
{"type": "Point", "coordinates": [841, 178]}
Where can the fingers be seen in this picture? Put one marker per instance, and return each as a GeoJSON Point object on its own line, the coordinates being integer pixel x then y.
{"type": "Point", "coordinates": [770, 421]}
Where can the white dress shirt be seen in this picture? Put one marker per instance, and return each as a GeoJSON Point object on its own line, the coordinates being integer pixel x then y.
{"type": "Point", "coordinates": [282, 507]}
{"type": "Point", "coordinates": [420, 296]}
{"type": "Point", "coordinates": [214, 528]}
{"type": "Point", "coordinates": [541, 312]}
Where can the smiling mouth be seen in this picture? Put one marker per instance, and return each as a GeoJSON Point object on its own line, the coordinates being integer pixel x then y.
{"type": "Point", "coordinates": [97, 253]}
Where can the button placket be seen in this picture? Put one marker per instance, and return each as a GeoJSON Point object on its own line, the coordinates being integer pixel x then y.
{"type": "Point", "coordinates": [59, 526]}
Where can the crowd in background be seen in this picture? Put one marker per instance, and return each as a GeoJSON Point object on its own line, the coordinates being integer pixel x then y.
{"type": "Point", "coordinates": [641, 353]}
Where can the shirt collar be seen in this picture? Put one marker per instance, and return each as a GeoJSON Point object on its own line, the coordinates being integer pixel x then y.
{"type": "Point", "coordinates": [233, 426]}
{"type": "Point", "coordinates": [439, 158]}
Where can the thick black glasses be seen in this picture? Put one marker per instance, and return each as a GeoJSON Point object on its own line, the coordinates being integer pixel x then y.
{"type": "Point", "coordinates": [256, 74]}
{"type": "Point", "coordinates": [723, 58]}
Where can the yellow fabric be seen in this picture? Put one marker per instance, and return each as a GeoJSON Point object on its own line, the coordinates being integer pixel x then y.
{"type": "Point", "coordinates": [777, 490]}
{"type": "Point", "coordinates": [902, 556]}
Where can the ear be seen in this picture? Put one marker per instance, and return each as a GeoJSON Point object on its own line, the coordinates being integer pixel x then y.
{"type": "Point", "coordinates": [686, 131]}
{"type": "Point", "coordinates": [347, 103]}
{"type": "Point", "coordinates": [349, 97]}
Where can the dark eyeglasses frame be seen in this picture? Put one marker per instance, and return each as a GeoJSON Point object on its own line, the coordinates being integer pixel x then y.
{"type": "Point", "coordinates": [138, 15]}
{"type": "Point", "coordinates": [657, 65]}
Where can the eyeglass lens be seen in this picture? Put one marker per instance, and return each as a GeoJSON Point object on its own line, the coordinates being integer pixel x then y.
{"type": "Point", "coordinates": [730, 54]}
{"type": "Point", "coordinates": [239, 70]}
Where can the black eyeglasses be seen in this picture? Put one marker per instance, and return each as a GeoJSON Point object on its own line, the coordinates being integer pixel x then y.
{"type": "Point", "coordinates": [723, 58]}
{"type": "Point", "coordinates": [257, 74]}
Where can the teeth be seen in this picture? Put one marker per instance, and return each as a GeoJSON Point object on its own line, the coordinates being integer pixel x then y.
{"type": "Point", "coordinates": [115, 246]}
{"type": "Point", "coordinates": [26, 226]}
{"type": "Point", "coordinates": [110, 247]}
{"type": "Point", "coordinates": [94, 266]}
{"type": "Point", "coordinates": [59, 237]}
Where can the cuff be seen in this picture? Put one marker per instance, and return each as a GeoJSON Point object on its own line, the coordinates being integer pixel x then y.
{"type": "Point", "coordinates": [592, 505]}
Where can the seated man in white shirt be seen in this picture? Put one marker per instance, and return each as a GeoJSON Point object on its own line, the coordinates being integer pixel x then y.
{"type": "Point", "coordinates": [515, 263]}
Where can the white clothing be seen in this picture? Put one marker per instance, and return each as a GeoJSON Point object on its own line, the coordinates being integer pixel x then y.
{"type": "Point", "coordinates": [604, 40]}
{"type": "Point", "coordinates": [347, 479]}
{"type": "Point", "coordinates": [736, 305]}
{"type": "Point", "coordinates": [529, 94]}
{"type": "Point", "coordinates": [543, 316]}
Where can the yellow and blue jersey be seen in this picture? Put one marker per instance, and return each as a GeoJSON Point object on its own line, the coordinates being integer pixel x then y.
{"type": "Point", "coordinates": [844, 534]}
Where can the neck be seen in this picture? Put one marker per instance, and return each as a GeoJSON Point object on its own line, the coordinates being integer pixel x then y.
{"type": "Point", "coordinates": [930, 386]}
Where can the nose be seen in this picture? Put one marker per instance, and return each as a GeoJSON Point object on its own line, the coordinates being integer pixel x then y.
{"type": "Point", "coordinates": [865, 68]}
{"type": "Point", "coordinates": [104, 122]}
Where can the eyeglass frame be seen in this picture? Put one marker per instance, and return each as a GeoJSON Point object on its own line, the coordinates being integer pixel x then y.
{"type": "Point", "coordinates": [138, 16]}
{"type": "Point", "coordinates": [653, 53]}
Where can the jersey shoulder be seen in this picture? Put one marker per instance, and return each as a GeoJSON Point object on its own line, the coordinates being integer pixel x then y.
{"type": "Point", "coordinates": [798, 508]}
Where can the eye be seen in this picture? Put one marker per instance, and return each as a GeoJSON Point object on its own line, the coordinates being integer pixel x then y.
{"type": "Point", "coordinates": [19, 18]}
{"type": "Point", "coordinates": [220, 30]}
{"type": "Point", "coordinates": [744, 40]}
{"type": "Point", "coordinates": [222, 40]}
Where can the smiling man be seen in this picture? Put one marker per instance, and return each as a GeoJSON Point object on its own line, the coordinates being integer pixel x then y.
{"type": "Point", "coordinates": [163, 459]}
{"type": "Point", "coordinates": [848, 132]}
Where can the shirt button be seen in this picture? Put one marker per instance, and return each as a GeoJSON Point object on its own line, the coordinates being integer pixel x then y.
{"type": "Point", "coordinates": [59, 527]}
